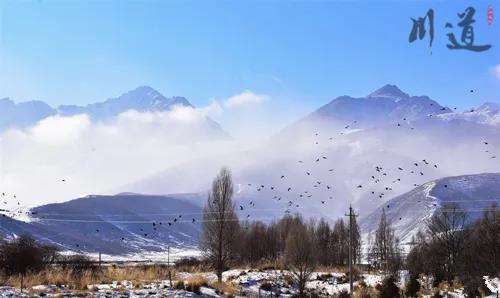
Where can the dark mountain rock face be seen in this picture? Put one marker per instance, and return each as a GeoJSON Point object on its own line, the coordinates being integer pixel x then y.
{"type": "Point", "coordinates": [119, 224]}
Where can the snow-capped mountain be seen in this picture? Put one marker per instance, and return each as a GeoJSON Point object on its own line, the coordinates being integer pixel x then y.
{"type": "Point", "coordinates": [411, 211]}
{"type": "Point", "coordinates": [119, 224]}
{"type": "Point", "coordinates": [141, 99]}
{"type": "Point", "coordinates": [352, 150]}
{"type": "Point", "coordinates": [22, 114]}
{"type": "Point", "coordinates": [487, 113]}
{"type": "Point", "coordinates": [384, 105]}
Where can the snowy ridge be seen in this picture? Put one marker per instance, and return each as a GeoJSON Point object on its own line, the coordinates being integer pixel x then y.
{"type": "Point", "coordinates": [410, 212]}
{"type": "Point", "coordinates": [487, 113]}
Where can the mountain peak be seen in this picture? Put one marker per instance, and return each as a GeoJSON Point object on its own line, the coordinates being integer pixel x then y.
{"type": "Point", "coordinates": [492, 107]}
{"type": "Point", "coordinates": [141, 99]}
{"type": "Point", "coordinates": [144, 89]}
{"type": "Point", "coordinates": [389, 91]}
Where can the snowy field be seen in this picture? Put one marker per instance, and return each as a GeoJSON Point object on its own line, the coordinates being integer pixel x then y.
{"type": "Point", "coordinates": [245, 283]}
{"type": "Point", "coordinates": [154, 257]}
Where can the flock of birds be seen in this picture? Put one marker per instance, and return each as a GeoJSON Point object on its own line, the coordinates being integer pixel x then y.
{"type": "Point", "coordinates": [380, 174]}
{"type": "Point", "coordinates": [378, 184]}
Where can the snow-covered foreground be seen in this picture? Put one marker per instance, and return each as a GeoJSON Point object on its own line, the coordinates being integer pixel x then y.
{"type": "Point", "coordinates": [243, 283]}
{"type": "Point", "coordinates": [249, 283]}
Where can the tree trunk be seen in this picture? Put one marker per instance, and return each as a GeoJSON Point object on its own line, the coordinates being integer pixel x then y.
{"type": "Point", "coordinates": [219, 274]}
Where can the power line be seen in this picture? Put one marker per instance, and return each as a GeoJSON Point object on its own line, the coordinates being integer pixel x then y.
{"type": "Point", "coordinates": [149, 214]}
{"type": "Point", "coordinates": [143, 221]}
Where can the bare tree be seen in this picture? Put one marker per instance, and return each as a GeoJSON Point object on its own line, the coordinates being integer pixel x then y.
{"type": "Point", "coordinates": [356, 241]}
{"type": "Point", "coordinates": [299, 255]}
{"type": "Point", "coordinates": [340, 243]}
{"type": "Point", "coordinates": [447, 230]}
{"type": "Point", "coordinates": [220, 223]}
{"type": "Point", "coordinates": [323, 242]}
{"type": "Point", "coordinates": [385, 249]}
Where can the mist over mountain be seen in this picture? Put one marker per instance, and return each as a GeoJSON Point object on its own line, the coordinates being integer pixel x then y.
{"type": "Point", "coordinates": [360, 151]}
{"type": "Point", "coordinates": [141, 99]}
{"type": "Point", "coordinates": [387, 129]}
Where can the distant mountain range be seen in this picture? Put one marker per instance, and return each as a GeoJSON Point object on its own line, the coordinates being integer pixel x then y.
{"type": "Point", "coordinates": [22, 114]}
{"type": "Point", "coordinates": [141, 99]}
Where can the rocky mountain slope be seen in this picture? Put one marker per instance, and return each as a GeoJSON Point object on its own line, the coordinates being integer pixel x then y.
{"type": "Point", "coordinates": [411, 211]}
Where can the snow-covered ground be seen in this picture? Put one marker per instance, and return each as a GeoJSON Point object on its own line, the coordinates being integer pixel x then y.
{"type": "Point", "coordinates": [244, 282]}
{"type": "Point", "coordinates": [493, 284]}
{"type": "Point", "coordinates": [175, 254]}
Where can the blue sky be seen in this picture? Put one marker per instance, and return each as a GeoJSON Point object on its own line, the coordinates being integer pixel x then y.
{"type": "Point", "coordinates": [300, 53]}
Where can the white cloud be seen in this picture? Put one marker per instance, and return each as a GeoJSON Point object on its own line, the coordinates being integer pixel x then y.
{"type": "Point", "coordinates": [99, 157]}
{"type": "Point", "coordinates": [179, 114]}
{"type": "Point", "coordinates": [246, 97]}
{"type": "Point", "coordinates": [59, 130]}
{"type": "Point", "coordinates": [496, 71]}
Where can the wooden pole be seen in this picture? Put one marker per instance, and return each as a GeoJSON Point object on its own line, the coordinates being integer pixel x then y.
{"type": "Point", "coordinates": [351, 214]}
{"type": "Point", "coordinates": [350, 250]}
{"type": "Point", "coordinates": [168, 265]}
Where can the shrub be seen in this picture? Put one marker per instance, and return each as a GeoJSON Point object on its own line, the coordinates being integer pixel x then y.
{"type": "Point", "coordinates": [79, 264]}
{"type": "Point", "coordinates": [187, 262]}
{"type": "Point", "coordinates": [413, 286]}
{"type": "Point", "coordinates": [195, 282]}
{"type": "Point", "coordinates": [266, 286]}
{"type": "Point", "coordinates": [324, 276]}
{"type": "Point", "coordinates": [363, 293]}
{"type": "Point", "coordinates": [356, 273]}
{"type": "Point", "coordinates": [388, 288]}
{"type": "Point", "coordinates": [180, 285]}
{"type": "Point", "coordinates": [23, 255]}
{"type": "Point", "coordinates": [362, 290]}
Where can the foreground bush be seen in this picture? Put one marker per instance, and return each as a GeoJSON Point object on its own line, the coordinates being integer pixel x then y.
{"type": "Point", "coordinates": [194, 283]}
{"type": "Point", "coordinates": [79, 264]}
{"type": "Point", "coordinates": [388, 288]}
{"type": "Point", "coordinates": [24, 255]}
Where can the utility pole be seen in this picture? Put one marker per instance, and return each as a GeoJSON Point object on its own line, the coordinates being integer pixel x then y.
{"type": "Point", "coordinates": [168, 265]}
{"type": "Point", "coordinates": [351, 216]}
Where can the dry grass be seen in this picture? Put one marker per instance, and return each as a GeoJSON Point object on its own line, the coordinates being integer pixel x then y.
{"type": "Point", "coordinates": [52, 277]}
{"type": "Point", "coordinates": [192, 268]}
{"type": "Point", "coordinates": [269, 265]}
{"type": "Point", "coordinates": [446, 287]}
{"type": "Point", "coordinates": [225, 289]}
{"type": "Point", "coordinates": [143, 273]}
{"type": "Point", "coordinates": [363, 291]}
{"type": "Point", "coordinates": [192, 283]}
{"type": "Point", "coordinates": [59, 277]}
